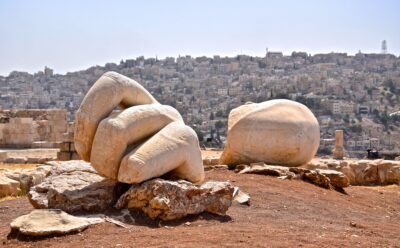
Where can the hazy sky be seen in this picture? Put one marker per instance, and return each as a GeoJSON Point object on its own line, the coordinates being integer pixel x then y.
{"type": "Point", "coordinates": [76, 34]}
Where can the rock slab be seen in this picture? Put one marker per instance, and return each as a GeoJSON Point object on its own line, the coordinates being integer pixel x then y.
{"type": "Point", "coordinates": [362, 172]}
{"type": "Point", "coordinates": [320, 177]}
{"type": "Point", "coordinates": [44, 222]}
{"type": "Point", "coordinates": [8, 186]}
{"type": "Point", "coordinates": [73, 186]}
{"type": "Point", "coordinates": [19, 181]}
{"type": "Point", "coordinates": [170, 200]}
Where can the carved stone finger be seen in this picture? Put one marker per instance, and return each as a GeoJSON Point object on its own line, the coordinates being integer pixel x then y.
{"type": "Point", "coordinates": [111, 90]}
{"type": "Point", "coordinates": [132, 125]}
{"type": "Point", "coordinates": [175, 148]}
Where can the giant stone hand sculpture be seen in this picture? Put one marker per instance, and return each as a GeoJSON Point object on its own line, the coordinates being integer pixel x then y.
{"type": "Point", "coordinates": [278, 132]}
{"type": "Point", "coordinates": [145, 140]}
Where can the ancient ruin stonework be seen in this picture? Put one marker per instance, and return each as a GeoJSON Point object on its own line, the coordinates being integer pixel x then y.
{"type": "Point", "coordinates": [338, 151]}
{"type": "Point", "coordinates": [73, 186]}
{"type": "Point", "coordinates": [169, 200]}
{"type": "Point", "coordinates": [144, 140]}
{"type": "Point", "coordinates": [37, 128]}
{"type": "Point", "coordinates": [279, 132]}
{"type": "Point", "coordinates": [362, 172]}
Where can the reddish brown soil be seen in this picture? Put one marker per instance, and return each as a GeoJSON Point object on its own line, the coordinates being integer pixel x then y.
{"type": "Point", "coordinates": [281, 214]}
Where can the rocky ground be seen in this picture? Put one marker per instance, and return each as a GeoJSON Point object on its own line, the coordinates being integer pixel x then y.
{"type": "Point", "coordinates": [282, 213]}
{"type": "Point", "coordinates": [34, 155]}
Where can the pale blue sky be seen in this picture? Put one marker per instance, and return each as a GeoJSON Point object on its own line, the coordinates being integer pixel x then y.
{"type": "Point", "coordinates": [75, 34]}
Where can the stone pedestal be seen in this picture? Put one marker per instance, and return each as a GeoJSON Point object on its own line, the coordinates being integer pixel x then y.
{"type": "Point", "coordinates": [338, 151]}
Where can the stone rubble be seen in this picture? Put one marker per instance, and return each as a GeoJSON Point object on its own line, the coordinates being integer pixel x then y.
{"type": "Point", "coordinates": [170, 200]}
{"type": "Point", "coordinates": [15, 182]}
{"type": "Point", "coordinates": [361, 172]}
{"type": "Point", "coordinates": [241, 197]}
{"type": "Point", "coordinates": [74, 186]}
{"type": "Point", "coordinates": [329, 179]}
{"type": "Point", "coordinates": [9, 187]}
{"type": "Point", "coordinates": [268, 170]}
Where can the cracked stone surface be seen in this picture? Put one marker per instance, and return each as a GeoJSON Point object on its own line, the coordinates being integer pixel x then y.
{"type": "Point", "coordinates": [44, 222]}
{"type": "Point", "coordinates": [170, 200]}
{"type": "Point", "coordinates": [73, 186]}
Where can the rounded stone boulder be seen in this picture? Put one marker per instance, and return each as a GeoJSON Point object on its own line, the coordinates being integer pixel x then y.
{"type": "Point", "coordinates": [278, 132]}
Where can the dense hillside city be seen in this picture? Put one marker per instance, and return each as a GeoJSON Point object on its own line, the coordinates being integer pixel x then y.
{"type": "Point", "coordinates": [359, 94]}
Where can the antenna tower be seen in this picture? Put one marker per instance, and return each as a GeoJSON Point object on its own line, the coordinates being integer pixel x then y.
{"type": "Point", "coordinates": [384, 47]}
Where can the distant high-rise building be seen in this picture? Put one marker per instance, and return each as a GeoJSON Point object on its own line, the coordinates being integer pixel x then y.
{"type": "Point", "coordinates": [384, 47]}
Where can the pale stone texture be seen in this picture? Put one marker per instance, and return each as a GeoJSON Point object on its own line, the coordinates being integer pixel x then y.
{"type": "Point", "coordinates": [9, 187]}
{"type": "Point", "coordinates": [144, 141]}
{"type": "Point", "coordinates": [338, 151]}
{"type": "Point", "coordinates": [170, 200]}
{"type": "Point", "coordinates": [46, 222]}
{"type": "Point", "coordinates": [240, 196]}
{"type": "Point", "coordinates": [279, 132]}
{"type": "Point", "coordinates": [362, 172]}
{"type": "Point", "coordinates": [337, 179]}
{"type": "Point", "coordinates": [74, 186]}
{"type": "Point", "coordinates": [323, 178]}
{"type": "Point", "coordinates": [23, 128]}
{"type": "Point", "coordinates": [116, 132]}
{"type": "Point", "coordinates": [110, 90]}
{"type": "Point", "coordinates": [19, 181]}
{"type": "Point", "coordinates": [269, 170]}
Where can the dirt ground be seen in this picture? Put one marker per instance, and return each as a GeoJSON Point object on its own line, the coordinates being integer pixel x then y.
{"type": "Point", "coordinates": [281, 214]}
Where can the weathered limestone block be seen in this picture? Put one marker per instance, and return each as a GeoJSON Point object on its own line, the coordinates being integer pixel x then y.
{"type": "Point", "coordinates": [170, 200]}
{"type": "Point", "coordinates": [16, 160]}
{"type": "Point", "coordinates": [365, 172]}
{"type": "Point", "coordinates": [387, 171]}
{"type": "Point", "coordinates": [75, 156]}
{"type": "Point", "coordinates": [64, 146]}
{"type": "Point", "coordinates": [280, 132]}
{"type": "Point", "coordinates": [323, 178]}
{"type": "Point", "coordinates": [337, 179]}
{"type": "Point", "coordinates": [8, 187]}
{"type": "Point", "coordinates": [316, 178]}
{"type": "Point", "coordinates": [30, 178]}
{"type": "Point", "coordinates": [63, 156]}
{"type": "Point", "coordinates": [393, 175]}
{"type": "Point", "coordinates": [268, 170]}
{"type": "Point", "coordinates": [241, 197]}
{"type": "Point", "coordinates": [67, 167]}
{"type": "Point", "coordinates": [46, 222]}
{"type": "Point", "coordinates": [362, 172]}
{"type": "Point", "coordinates": [73, 186]}
{"type": "Point", "coordinates": [211, 161]}
{"type": "Point", "coordinates": [3, 155]}
{"type": "Point", "coordinates": [338, 151]}
{"type": "Point", "coordinates": [20, 180]}
{"type": "Point", "coordinates": [144, 141]}
{"type": "Point", "coordinates": [349, 172]}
